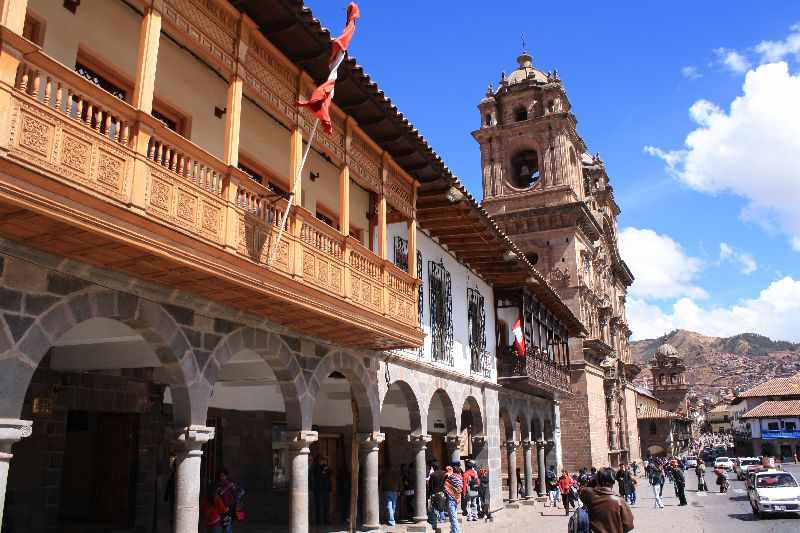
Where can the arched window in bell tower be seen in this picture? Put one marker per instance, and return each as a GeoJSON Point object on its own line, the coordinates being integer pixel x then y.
{"type": "Point", "coordinates": [525, 169]}
{"type": "Point", "coordinates": [488, 119]}
{"type": "Point", "coordinates": [520, 114]}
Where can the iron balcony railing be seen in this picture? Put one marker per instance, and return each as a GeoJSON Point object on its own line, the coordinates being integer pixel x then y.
{"type": "Point", "coordinates": [537, 366]}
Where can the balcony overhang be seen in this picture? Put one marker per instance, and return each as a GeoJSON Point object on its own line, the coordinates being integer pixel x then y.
{"type": "Point", "coordinates": [533, 376]}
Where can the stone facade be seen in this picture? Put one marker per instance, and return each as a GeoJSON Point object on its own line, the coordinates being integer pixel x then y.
{"type": "Point", "coordinates": [556, 202]}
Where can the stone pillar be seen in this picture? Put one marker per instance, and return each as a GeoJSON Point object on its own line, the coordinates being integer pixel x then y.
{"type": "Point", "coordinates": [511, 448]}
{"type": "Point", "coordinates": [453, 448]}
{"type": "Point", "coordinates": [419, 444]}
{"type": "Point", "coordinates": [528, 464]}
{"type": "Point", "coordinates": [11, 431]}
{"type": "Point", "coordinates": [187, 477]}
{"type": "Point", "coordinates": [370, 446]}
{"type": "Point", "coordinates": [557, 436]}
{"type": "Point", "coordinates": [542, 467]}
{"type": "Point", "coordinates": [299, 451]}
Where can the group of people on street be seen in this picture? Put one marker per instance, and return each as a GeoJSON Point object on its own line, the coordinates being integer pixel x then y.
{"type": "Point", "coordinates": [658, 471]}
{"type": "Point", "coordinates": [452, 488]}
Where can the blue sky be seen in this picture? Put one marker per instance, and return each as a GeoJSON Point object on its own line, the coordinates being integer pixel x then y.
{"type": "Point", "coordinates": [632, 71]}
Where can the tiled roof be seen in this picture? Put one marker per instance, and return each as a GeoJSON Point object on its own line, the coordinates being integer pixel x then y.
{"type": "Point", "coordinates": [646, 411]}
{"type": "Point", "coordinates": [775, 387]}
{"type": "Point", "coordinates": [774, 408]}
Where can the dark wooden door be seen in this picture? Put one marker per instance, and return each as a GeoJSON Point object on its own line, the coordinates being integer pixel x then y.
{"type": "Point", "coordinates": [114, 461]}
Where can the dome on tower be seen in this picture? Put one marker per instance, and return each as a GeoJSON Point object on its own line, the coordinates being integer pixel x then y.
{"type": "Point", "coordinates": [666, 350]}
{"type": "Point", "coordinates": [526, 71]}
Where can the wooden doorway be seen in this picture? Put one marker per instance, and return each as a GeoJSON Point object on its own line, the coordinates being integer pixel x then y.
{"type": "Point", "coordinates": [98, 479]}
{"type": "Point", "coordinates": [330, 447]}
{"type": "Point", "coordinates": [438, 449]}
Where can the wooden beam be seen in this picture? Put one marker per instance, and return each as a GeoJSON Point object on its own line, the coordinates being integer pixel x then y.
{"type": "Point", "coordinates": [147, 60]}
{"type": "Point", "coordinates": [344, 200]}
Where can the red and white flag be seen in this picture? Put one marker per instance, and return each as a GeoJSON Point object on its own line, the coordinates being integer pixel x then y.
{"type": "Point", "coordinates": [320, 100]}
{"type": "Point", "coordinates": [519, 338]}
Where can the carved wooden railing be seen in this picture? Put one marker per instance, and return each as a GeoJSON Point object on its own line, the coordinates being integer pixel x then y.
{"type": "Point", "coordinates": [87, 138]}
{"type": "Point", "coordinates": [537, 366]}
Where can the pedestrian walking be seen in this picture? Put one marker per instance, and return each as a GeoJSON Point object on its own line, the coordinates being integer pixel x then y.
{"type": "Point", "coordinates": [231, 495]}
{"type": "Point", "coordinates": [551, 483]}
{"type": "Point", "coordinates": [453, 486]}
{"type": "Point", "coordinates": [700, 472]}
{"type": "Point", "coordinates": [620, 477]}
{"type": "Point", "coordinates": [630, 486]}
{"type": "Point", "coordinates": [680, 485]}
{"type": "Point", "coordinates": [437, 502]}
{"type": "Point", "coordinates": [608, 513]}
{"type": "Point", "coordinates": [483, 494]}
{"type": "Point", "coordinates": [564, 485]}
{"type": "Point", "coordinates": [390, 486]}
{"type": "Point", "coordinates": [657, 484]}
{"type": "Point", "coordinates": [470, 491]}
{"type": "Point", "coordinates": [321, 486]}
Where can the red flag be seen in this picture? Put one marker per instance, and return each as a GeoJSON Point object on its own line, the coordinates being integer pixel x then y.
{"type": "Point", "coordinates": [320, 100]}
{"type": "Point", "coordinates": [519, 338]}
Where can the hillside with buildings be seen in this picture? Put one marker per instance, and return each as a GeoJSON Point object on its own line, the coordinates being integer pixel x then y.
{"type": "Point", "coordinates": [720, 366]}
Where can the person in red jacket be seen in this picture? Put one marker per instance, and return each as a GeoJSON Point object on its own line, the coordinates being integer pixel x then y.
{"type": "Point", "coordinates": [470, 491]}
{"type": "Point", "coordinates": [564, 485]}
{"type": "Point", "coordinates": [213, 509]}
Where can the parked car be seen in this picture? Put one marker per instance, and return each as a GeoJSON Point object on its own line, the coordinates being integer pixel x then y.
{"type": "Point", "coordinates": [723, 462]}
{"type": "Point", "coordinates": [691, 461]}
{"type": "Point", "coordinates": [774, 491]}
{"type": "Point", "coordinates": [744, 464]}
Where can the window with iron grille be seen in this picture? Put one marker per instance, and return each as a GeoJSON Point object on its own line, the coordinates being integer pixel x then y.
{"type": "Point", "coordinates": [441, 311]}
{"type": "Point", "coordinates": [421, 299]}
{"type": "Point", "coordinates": [476, 322]}
{"type": "Point", "coordinates": [401, 253]}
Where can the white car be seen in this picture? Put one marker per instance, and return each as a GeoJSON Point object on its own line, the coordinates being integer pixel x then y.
{"type": "Point", "coordinates": [746, 463]}
{"type": "Point", "coordinates": [774, 491]}
{"type": "Point", "coordinates": [691, 461]}
{"type": "Point", "coordinates": [724, 462]}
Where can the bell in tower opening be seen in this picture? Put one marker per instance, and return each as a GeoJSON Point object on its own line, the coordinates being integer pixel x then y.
{"type": "Point", "coordinates": [525, 166]}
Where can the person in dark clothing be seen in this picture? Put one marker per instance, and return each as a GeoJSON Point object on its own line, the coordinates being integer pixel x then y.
{"type": "Point", "coordinates": [483, 494]}
{"type": "Point", "coordinates": [680, 485]}
{"type": "Point", "coordinates": [438, 501]}
{"type": "Point", "coordinates": [322, 486]}
{"type": "Point", "coordinates": [608, 513]}
{"type": "Point", "coordinates": [620, 477]}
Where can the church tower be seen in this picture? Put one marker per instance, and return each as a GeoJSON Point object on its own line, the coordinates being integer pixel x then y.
{"type": "Point", "coordinates": [669, 379]}
{"type": "Point", "coordinates": [555, 201]}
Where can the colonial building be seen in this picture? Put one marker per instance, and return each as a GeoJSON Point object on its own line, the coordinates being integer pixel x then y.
{"type": "Point", "coordinates": [157, 323]}
{"type": "Point", "coordinates": [747, 421]}
{"type": "Point", "coordinates": [555, 200]}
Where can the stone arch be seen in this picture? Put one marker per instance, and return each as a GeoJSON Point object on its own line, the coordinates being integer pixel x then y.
{"type": "Point", "coordinates": [507, 418]}
{"type": "Point", "coordinates": [411, 395]}
{"type": "Point", "coordinates": [450, 422]}
{"type": "Point", "coordinates": [278, 356]}
{"type": "Point", "coordinates": [474, 407]}
{"type": "Point", "coordinates": [156, 326]}
{"type": "Point", "coordinates": [364, 390]}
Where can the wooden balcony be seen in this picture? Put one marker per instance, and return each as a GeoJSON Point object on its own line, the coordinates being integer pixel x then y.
{"type": "Point", "coordinates": [89, 177]}
{"type": "Point", "coordinates": [536, 371]}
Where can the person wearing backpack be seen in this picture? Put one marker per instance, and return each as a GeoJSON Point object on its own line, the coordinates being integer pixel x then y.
{"type": "Point", "coordinates": [483, 494]}
{"type": "Point", "coordinates": [470, 491]}
{"type": "Point", "coordinates": [608, 513]}
{"type": "Point", "coordinates": [438, 499]}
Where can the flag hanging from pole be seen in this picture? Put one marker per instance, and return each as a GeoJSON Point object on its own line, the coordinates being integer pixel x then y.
{"type": "Point", "coordinates": [320, 100]}
{"type": "Point", "coordinates": [519, 338]}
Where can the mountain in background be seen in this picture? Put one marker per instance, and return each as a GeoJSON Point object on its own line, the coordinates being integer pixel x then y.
{"type": "Point", "coordinates": [719, 366]}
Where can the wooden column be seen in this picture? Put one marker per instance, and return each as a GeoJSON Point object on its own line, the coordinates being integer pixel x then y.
{"type": "Point", "coordinates": [295, 160]}
{"type": "Point", "coordinates": [12, 14]}
{"type": "Point", "coordinates": [233, 109]}
{"type": "Point", "coordinates": [147, 60]}
{"type": "Point", "coordinates": [344, 200]}
{"type": "Point", "coordinates": [411, 226]}
{"type": "Point", "coordinates": [383, 251]}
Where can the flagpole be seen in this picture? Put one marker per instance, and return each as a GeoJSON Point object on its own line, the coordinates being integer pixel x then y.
{"type": "Point", "coordinates": [281, 228]}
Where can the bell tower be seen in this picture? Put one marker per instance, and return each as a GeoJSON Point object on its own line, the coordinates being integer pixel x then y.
{"type": "Point", "coordinates": [669, 378]}
{"type": "Point", "coordinates": [527, 138]}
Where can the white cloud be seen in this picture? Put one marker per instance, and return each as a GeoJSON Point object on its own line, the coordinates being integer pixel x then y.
{"type": "Point", "coordinates": [661, 267]}
{"type": "Point", "coordinates": [690, 72]}
{"type": "Point", "coordinates": [773, 313]}
{"type": "Point", "coordinates": [732, 60]}
{"type": "Point", "coordinates": [728, 254]}
{"type": "Point", "coordinates": [771, 51]}
{"type": "Point", "coordinates": [749, 150]}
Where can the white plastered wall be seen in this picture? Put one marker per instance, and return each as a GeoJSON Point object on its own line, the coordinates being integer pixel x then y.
{"type": "Point", "coordinates": [461, 279]}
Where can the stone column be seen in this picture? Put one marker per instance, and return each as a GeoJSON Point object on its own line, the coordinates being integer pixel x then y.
{"type": "Point", "coordinates": [528, 464]}
{"type": "Point", "coordinates": [11, 431]}
{"type": "Point", "coordinates": [187, 477]}
{"type": "Point", "coordinates": [557, 436]}
{"type": "Point", "coordinates": [511, 448]}
{"type": "Point", "coordinates": [298, 447]}
{"type": "Point", "coordinates": [370, 446]}
{"type": "Point", "coordinates": [542, 467]}
{"type": "Point", "coordinates": [419, 444]}
{"type": "Point", "coordinates": [453, 449]}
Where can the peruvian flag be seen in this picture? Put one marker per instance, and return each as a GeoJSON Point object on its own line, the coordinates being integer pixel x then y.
{"type": "Point", "coordinates": [320, 100]}
{"type": "Point", "coordinates": [519, 338]}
